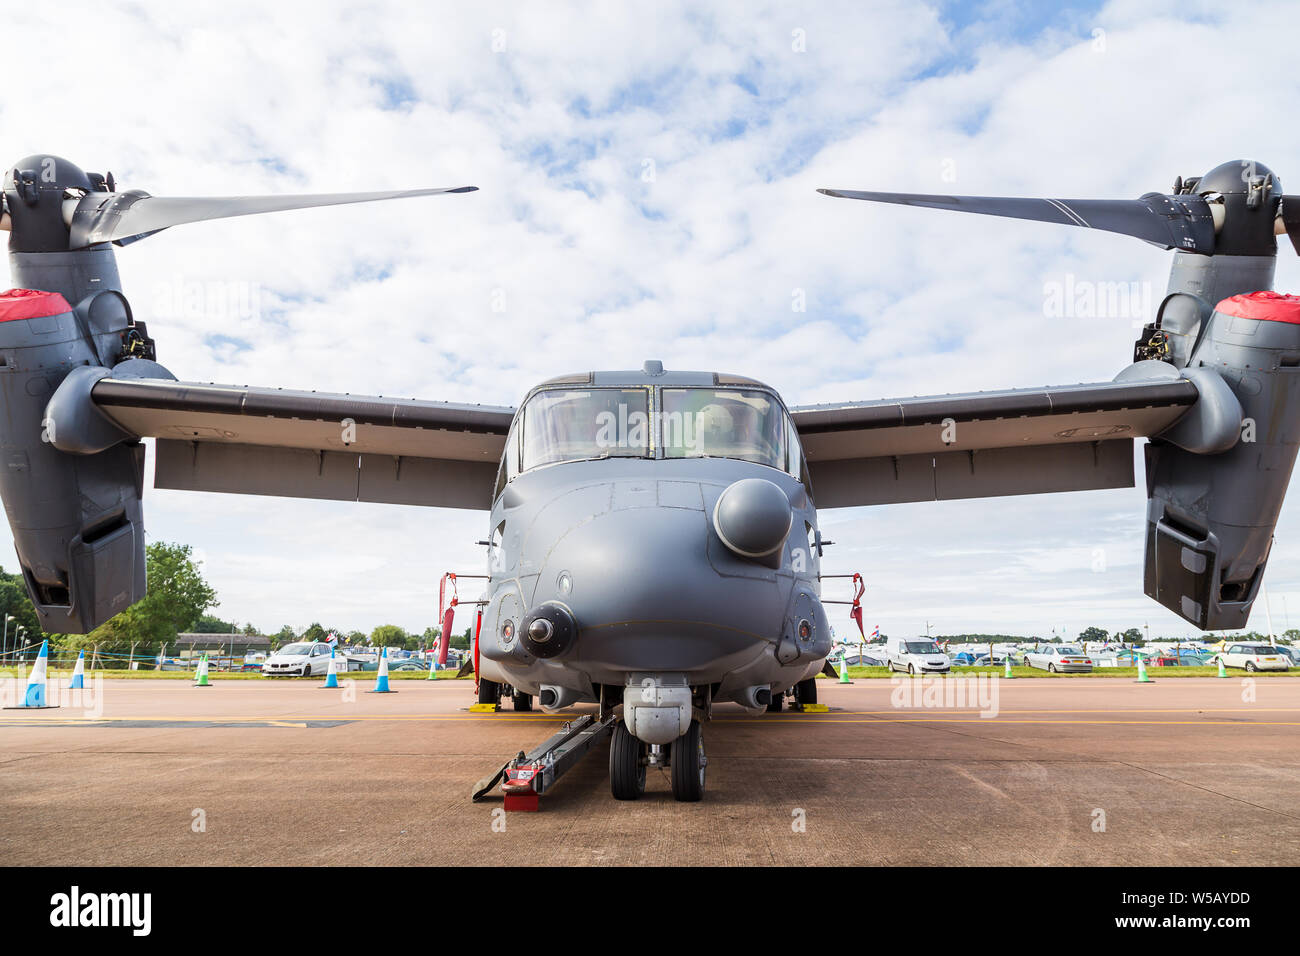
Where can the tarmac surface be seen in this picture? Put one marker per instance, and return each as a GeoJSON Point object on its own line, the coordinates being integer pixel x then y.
{"type": "Point", "coordinates": [1185, 771]}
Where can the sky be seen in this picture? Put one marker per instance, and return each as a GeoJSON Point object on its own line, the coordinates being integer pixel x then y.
{"type": "Point", "coordinates": [647, 190]}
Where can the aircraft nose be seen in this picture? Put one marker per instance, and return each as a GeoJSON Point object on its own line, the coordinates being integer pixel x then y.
{"type": "Point", "coordinates": [643, 591]}
{"type": "Point", "coordinates": [753, 518]}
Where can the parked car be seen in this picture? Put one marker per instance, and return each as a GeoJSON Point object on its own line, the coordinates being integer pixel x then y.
{"type": "Point", "coordinates": [1292, 653]}
{"type": "Point", "coordinates": [1253, 657]}
{"type": "Point", "coordinates": [918, 656]}
{"type": "Point", "coordinates": [1060, 659]}
{"type": "Point", "coordinates": [300, 659]}
{"type": "Point", "coordinates": [408, 664]}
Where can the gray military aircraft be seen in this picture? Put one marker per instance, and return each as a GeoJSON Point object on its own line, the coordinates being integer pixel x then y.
{"type": "Point", "coordinates": [653, 542]}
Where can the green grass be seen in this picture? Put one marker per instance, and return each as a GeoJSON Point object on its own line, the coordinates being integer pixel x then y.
{"type": "Point", "coordinates": [1155, 673]}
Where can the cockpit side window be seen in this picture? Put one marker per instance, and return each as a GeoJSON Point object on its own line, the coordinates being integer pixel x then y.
{"type": "Point", "coordinates": [509, 467]}
{"type": "Point", "coordinates": [794, 451]}
{"type": "Point", "coordinates": [582, 424]}
{"type": "Point", "coordinates": [727, 423]}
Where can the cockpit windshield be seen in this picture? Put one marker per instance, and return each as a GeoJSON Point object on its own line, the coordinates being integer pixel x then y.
{"type": "Point", "coordinates": [724, 423]}
{"type": "Point", "coordinates": [569, 425]}
{"type": "Point", "coordinates": [581, 424]}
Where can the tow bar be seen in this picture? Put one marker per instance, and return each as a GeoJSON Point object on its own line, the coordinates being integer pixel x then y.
{"type": "Point", "coordinates": [529, 775]}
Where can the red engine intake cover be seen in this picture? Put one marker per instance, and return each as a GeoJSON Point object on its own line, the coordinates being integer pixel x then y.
{"type": "Point", "coordinates": [31, 304]}
{"type": "Point", "coordinates": [1268, 306]}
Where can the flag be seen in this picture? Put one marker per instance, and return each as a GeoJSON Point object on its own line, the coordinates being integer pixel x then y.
{"type": "Point", "coordinates": [331, 638]}
{"type": "Point", "coordinates": [875, 633]}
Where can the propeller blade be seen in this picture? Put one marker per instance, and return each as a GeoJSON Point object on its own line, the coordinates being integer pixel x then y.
{"type": "Point", "coordinates": [1290, 218]}
{"type": "Point", "coordinates": [1174, 222]}
{"type": "Point", "coordinates": [122, 217]}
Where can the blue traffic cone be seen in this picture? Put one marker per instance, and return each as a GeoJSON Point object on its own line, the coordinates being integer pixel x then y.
{"type": "Point", "coordinates": [332, 675]}
{"type": "Point", "coordinates": [79, 672]}
{"type": "Point", "coordinates": [35, 696]}
{"type": "Point", "coordinates": [381, 682]}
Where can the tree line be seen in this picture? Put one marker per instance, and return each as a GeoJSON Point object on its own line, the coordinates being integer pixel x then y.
{"type": "Point", "coordinates": [178, 601]}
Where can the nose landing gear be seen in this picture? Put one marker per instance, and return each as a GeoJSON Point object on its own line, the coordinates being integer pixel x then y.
{"type": "Point", "coordinates": [684, 758]}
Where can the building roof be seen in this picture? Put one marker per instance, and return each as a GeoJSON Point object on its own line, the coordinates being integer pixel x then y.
{"type": "Point", "coordinates": [212, 641]}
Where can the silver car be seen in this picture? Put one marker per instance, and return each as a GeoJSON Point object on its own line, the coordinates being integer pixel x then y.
{"type": "Point", "coordinates": [1060, 659]}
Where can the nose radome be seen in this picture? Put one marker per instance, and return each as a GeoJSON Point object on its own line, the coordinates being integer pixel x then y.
{"type": "Point", "coordinates": [753, 518]}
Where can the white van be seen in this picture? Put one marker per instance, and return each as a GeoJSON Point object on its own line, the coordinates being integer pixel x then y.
{"type": "Point", "coordinates": [916, 655]}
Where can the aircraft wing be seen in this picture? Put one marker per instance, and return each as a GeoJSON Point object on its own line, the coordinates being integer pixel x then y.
{"type": "Point", "coordinates": [270, 441]}
{"type": "Point", "coordinates": [984, 444]}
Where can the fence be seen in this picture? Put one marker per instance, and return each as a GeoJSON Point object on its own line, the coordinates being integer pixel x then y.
{"type": "Point", "coordinates": [109, 660]}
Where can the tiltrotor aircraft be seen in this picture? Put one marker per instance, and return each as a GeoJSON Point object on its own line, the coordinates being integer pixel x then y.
{"type": "Point", "coordinates": [652, 535]}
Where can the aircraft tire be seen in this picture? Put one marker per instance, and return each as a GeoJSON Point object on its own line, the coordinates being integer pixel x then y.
{"type": "Point", "coordinates": [523, 702]}
{"type": "Point", "coordinates": [805, 692]}
{"type": "Point", "coordinates": [778, 701]}
{"type": "Point", "coordinates": [489, 691]}
{"type": "Point", "coordinates": [688, 765]}
{"type": "Point", "coordinates": [626, 771]}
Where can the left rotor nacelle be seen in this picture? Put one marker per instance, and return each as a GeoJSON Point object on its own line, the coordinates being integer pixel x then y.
{"type": "Point", "coordinates": [76, 518]}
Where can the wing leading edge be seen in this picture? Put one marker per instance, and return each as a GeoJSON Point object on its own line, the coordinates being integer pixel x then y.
{"type": "Point", "coordinates": [984, 444]}
{"type": "Point", "coordinates": [269, 441]}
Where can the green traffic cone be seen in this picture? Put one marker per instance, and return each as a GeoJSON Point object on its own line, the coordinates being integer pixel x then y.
{"type": "Point", "coordinates": [844, 671]}
{"type": "Point", "coordinates": [201, 678]}
{"type": "Point", "coordinates": [1008, 675]}
{"type": "Point", "coordinates": [1222, 671]}
{"type": "Point", "coordinates": [1143, 676]}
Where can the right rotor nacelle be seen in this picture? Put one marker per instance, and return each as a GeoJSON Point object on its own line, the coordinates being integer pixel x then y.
{"type": "Point", "coordinates": [1211, 516]}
